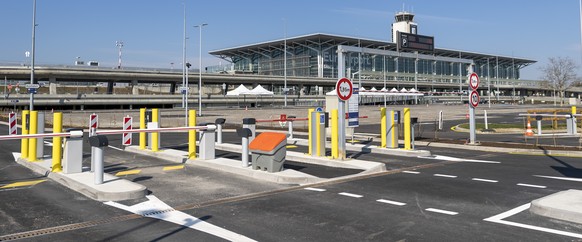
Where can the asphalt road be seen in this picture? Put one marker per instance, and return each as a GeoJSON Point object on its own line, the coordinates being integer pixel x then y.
{"type": "Point", "coordinates": [417, 199]}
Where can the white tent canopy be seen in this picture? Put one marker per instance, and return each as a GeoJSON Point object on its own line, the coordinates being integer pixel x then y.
{"type": "Point", "coordinates": [259, 90]}
{"type": "Point", "coordinates": [237, 91]}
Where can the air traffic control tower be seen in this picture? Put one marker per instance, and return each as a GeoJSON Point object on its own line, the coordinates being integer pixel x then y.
{"type": "Point", "coordinates": [403, 23]}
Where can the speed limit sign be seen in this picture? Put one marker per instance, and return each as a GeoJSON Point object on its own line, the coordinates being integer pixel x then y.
{"type": "Point", "coordinates": [474, 99]}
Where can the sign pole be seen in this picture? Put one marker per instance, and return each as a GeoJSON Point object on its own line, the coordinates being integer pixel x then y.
{"type": "Point", "coordinates": [341, 108]}
{"type": "Point", "coordinates": [472, 131]}
{"type": "Point", "coordinates": [473, 102]}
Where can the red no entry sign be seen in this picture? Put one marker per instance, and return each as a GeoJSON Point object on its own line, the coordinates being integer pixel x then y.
{"type": "Point", "coordinates": [344, 89]}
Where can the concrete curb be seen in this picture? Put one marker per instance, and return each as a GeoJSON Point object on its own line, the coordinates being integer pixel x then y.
{"type": "Point", "coordinates": [500, 149]}
{"type": "Point", "coordinates": [230, 166]}
{"type": "Point", "coordinates": [369, 148]}
{"type": "Point", "coordinates": [112, 189]}
{"type": "Point", "coordinates": [564, 205]}
{"type": "Point", "coordinates": [367, 166]}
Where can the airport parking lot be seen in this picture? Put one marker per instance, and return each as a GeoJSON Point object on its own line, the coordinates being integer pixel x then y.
{"type": "Point", "coordinates": [454, 194]}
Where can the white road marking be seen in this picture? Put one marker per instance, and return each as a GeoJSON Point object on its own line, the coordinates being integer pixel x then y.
{"type": "Point", "coordinates": [315, 189]}
{"type": "Point", "coordinates": [411, 172]}
{"type": "Point", "coordinates": [561, 178]}
{"type": "Point", "coordinates": [443, 175]}
{"type": "Point", "coordinates": [484, 180]}
{"type": "Point", "coordinates": [350, 195]}
{"type": "Point", "coordinates": [115, 148]}
{"type": "Point", "coordinates": [434, 210]}
{"type": "Point", "coordinates": [530, 185]}
{"type": "Point", "coordinates": [16, 155]}
{"type": "Point", "coordinates": [155, 208]}
{"type": "Point", "coordinates": [499, 219]}
{"type": "Point", "coordinates": [442, 157]}
{"type": "Point", "coordinates": [391, 202]}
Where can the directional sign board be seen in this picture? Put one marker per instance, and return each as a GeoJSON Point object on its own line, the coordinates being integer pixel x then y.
{"type": "Point", "coordinates": [344, 89]}
{"type": "Point", "coordinates": [474, 81]}
{"type": "Point", "coordinates": [474, 99]}
{"type": "Point", "coordinates": [32, 86]}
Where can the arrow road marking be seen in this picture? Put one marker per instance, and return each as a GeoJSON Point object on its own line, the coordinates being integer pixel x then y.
{"type": "Point", "coordinates": [155, 208]}
{"type": "Point", "coordinates": [499, 219]}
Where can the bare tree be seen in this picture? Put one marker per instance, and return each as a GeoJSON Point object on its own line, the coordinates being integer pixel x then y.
{"type": "Point", "coordinates": [560, 74]}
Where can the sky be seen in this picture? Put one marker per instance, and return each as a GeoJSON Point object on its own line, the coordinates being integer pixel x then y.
{"type": "Point", "coordinates": [152, 30]}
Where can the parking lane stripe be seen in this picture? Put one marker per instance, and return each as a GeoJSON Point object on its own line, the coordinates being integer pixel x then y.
{"type": "Point", "coordinates": [169, 168]}
{"type": "Point", "coordinates": [411, 172]}
{"type": "Point", "coordinates": [350, 195]}
{"type": "Point", "coordinates": [434, 210]}
{"type": "Point", "coordinates": [530, 185]}
{"type": "Point", "coordinates": [390, 202]}
{"type": "Point", "coordinates": [129, 172]}
{"type": "Point", "coordinates": [22, 184]}
{"type": "Point", "coordinates": [443, 175]}
{"type": "Point", "coordinates": [315, 189]}
{"type": "Point", "coordinates": [484, 180]}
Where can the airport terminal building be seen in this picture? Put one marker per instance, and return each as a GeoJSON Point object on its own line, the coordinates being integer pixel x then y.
{"type": "Point", "coordinates": [410, 61]}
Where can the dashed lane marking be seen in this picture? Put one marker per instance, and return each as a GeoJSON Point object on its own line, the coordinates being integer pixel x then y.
{"type": "Point", "coordinates": [390, 202]}
{"type": "Point", "coordinates": [169, 168]}
{"type": "Point", "coordinates": [350, 195]}
{"type": "Point", "coordinates": [434, 210]}
{"type": "Point", "coordinates": [22, 184]}
{"type": "Point", "coordinates": [315, 189]}
{"type": "Point", "coordinates": [484, 180]}
{"type": "Point", "coordinates": [411, 172]}
{"type": "Point", "coordinates": [443, 175]}
{"type": "Point", "coordinates": [129, 172]}
{"type": "Point", "coordinates": [499, 219]}
{"type": "Point", "coordinates": [449, 158]}
{"type": "Point", "coordinates": [530, 185]}
{"type": "Point", "coordinates": [561, 178]}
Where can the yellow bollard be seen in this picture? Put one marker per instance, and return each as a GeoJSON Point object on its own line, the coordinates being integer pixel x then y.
{"type": "Point", "coordinates": [573, 109]}
{"type": "Point", "coordinates": [392, 127]}
{"type": "Point", "coordinates": [142, 125]}
{"type": "Point", "coordinates": [334, 134]}
{"type": "Point", "coordinates": [192, 135]}
{"type": "Point", "coordinates": [407, 130]}
{"type": "Point", "coordinates": [318, 135]}
{"type": "Point", "coordinates": [57, 148]}
{"type": "Point", "coordinates": [32, 141]}
{"type": "Point", "coordinates": [155, 135]}
{"type": "Point", "coordinates": [383, 127]}
{"type": "Point", "coordinates": [24, 142]}
{"type": "Point", "coordinates": [309, 131]}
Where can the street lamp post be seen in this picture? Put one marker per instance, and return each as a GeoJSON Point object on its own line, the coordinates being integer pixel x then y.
{"type": "Point", "coordinates": [119, 45]}
{"type": "Point", "coordinates": [32, 57]}
{"type": "Point", "coordinates": [200, 71]}
{"type": "Point", "coordinates": [285, 63]}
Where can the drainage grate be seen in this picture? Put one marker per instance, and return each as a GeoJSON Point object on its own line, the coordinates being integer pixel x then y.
{"type": "Point", "coordinates": [69, 227]}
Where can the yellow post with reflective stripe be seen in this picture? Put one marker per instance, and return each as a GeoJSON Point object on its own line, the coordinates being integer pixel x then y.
{"type": "Point", "coordinates": [309, 130]}
{"type": "Point", "coordinates": [383, 127]}
{"type": "Point", "coordinates": [394, 134]}
{"type": "Point", "coordinates": [407, 130]}
{"type": "Point", "coordinates": [32, 141]}
{"type": "Point", "coordinates": [155, 135]}
{"type": "Point", "coordinates": [334, 134]}
{"type": "Point", "coordinates": [57, 148]}
{"type": "Point", "coordinates": [24, 142]}
{"type": "Point", "coordinates": [192, 135]}
{"type": "Point", "coordinates": [142, 125]}
{"type": "Point", "coordinates": [318, 134]}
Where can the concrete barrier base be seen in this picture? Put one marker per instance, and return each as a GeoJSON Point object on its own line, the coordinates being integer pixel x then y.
{"type": "Point", "coordinates": [564, 205]}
